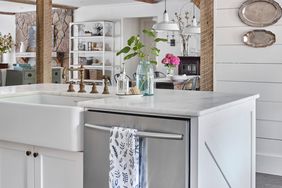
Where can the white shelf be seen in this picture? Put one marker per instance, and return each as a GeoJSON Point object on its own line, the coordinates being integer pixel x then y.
{"type": "Point", "coordinates": [31, 54]}
{"type": "Point", "coordinates": [77, 37]}
{"type": "Point", "coordinates": [99, 67]}
{"type": "Point", "coordinates": [90, 52]}
{"type": "Point", "coordinates": [86, 80]}
{"type": "Point", "coordinates": [92, 37]}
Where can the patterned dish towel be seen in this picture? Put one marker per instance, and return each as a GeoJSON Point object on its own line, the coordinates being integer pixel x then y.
{"type": "Point", "coordinates": [125, 159]}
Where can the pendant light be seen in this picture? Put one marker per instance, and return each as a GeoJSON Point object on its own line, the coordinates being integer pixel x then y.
{"type": "Point", "coordinates": [166, 24]}
{"type": "Point", "coordinates": [194, 28]}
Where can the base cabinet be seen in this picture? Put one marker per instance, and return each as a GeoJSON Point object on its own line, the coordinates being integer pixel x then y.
{"type": "Point", "coordinates": [24, 166]}
{"type": "Point", "coordinates": [16, 168]}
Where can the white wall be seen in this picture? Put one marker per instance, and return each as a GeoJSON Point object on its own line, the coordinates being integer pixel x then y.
{"type": "Point", "coordinates": [133, 24]}
{"type": "Point", "coordinates": [242, 69]}
{"type": "Point", "coordinates": [8, 25]}
{"type": "Point", "coordinates": [137, 10]}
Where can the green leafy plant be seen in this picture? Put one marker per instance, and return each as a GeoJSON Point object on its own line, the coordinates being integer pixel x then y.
{"type": "Point", "coordinates": [136, 48]}
{"type": "Point", "coordinates": [6, 43]}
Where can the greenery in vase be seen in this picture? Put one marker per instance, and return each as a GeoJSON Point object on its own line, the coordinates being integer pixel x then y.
{"type": "Point", "coordinates": [6, 43]}
{"type": "Point", "coordinates": [136, 48]}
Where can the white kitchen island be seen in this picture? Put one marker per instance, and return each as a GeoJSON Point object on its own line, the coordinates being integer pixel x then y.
{"type": "Point", "coordinates": [220, 133]}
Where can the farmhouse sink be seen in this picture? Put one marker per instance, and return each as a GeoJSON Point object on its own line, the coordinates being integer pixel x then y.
{"type": "Point", "coordinates": [40, 119]}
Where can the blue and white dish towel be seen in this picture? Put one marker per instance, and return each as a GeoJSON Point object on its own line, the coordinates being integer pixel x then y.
{"type": "Point", "coordinates": [125, 170]}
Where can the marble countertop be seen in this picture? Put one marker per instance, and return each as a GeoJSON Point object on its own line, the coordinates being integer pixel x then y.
{"type": "Point", "coordinates": [164, 102]}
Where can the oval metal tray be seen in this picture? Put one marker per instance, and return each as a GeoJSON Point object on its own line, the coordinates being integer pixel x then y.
{"type": "Point", "coordinates": [260, 13]}
{"type": "Point", "coordinates": [259, 38]}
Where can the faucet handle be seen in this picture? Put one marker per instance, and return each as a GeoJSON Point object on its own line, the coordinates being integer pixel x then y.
{"type": "Point", "coordinates": [94, 88]}
{"type": "Point", "coordinates": [71, 87]}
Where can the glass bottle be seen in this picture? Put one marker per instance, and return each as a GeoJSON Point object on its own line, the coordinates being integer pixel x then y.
{"type": "Point", "coordinates": [145, 78]}
{"type": "Point", "coordinates": [122, 83]}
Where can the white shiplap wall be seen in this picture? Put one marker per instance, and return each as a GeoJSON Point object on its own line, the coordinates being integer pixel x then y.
{"type": "Point", "coordinates": [242, 69]}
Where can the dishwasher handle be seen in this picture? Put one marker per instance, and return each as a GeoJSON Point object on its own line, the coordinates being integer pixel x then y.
{"type": "Point", "coordinates": [157, 135]}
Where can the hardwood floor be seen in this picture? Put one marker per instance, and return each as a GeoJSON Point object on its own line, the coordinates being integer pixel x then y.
{"type": "Point", "coordinates": [268, 181]}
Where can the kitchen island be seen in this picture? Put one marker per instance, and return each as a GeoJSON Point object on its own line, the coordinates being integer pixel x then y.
{"type": "Point", "coordinates": [218, 133]}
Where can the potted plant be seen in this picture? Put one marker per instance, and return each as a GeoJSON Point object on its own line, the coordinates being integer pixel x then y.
{"type": "Point", "coordinates": [5, 44]}
{"type": "Point", "coordinates": [147, 54]}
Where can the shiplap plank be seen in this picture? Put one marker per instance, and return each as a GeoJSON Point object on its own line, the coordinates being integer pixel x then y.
{"type": "Point", "coordinates": [269, 164]}
{"type": "Point", "coordinates": [230, 18]}
{"type": "Point", "coordinates": [269, 111]}
{"type": "Point", "coordinates": [223, 4]}
{"type": "Point", "coordinates": [267, 91]}
{"type": "Point", "coordinates": [249, 72]}
{"type": "Point", "coordinates": [233, 36]}
{"type": "Point", "coordinates": [227, 4]}
{"type": "Point", "coordinates": [245, 54]}
{"type": "Point", "coordinates": [271, 147]}
{"type": "Point", "coordinates": [269, 129]}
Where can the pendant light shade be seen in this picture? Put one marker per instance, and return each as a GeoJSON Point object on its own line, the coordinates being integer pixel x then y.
{"type": "Point", "coordinates": [194, 28]}
{"type": "Point", "coordinates": [166, 24]}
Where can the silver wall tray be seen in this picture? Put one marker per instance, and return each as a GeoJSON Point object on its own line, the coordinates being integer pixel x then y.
{"type": "Point", "coordinates": [259, 38]}
{"type": "Point", "coordinates": [260, 13]}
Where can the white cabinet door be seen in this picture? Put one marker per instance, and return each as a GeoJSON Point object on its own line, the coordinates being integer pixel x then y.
{"type": "Point", "coordinates": [16, 166]}
{"type": "Point", "coordinates": [58, 169]}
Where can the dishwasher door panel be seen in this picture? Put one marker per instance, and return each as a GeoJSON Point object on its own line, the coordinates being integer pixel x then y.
{"type": "Point", "coordinates": [167, 160]}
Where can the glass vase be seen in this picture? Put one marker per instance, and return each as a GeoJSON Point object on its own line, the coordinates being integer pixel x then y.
{"type": "Point", "coordinates": [145, 78]}
{"type": "Point", "coordinates": [169, 71]}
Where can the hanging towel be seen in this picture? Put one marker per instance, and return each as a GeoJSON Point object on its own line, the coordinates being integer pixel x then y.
{"type": "Point", "coordinates": [125, 159]}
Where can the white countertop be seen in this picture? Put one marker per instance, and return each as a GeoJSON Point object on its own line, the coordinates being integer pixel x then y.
{"type": "Point", "coordinates": [164, 102]}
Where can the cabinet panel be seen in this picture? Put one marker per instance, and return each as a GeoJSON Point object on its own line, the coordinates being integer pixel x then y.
{"type": "Point", "coordinates": [16, 168]}
{"type": "Point", "coordinates": [58, 169]}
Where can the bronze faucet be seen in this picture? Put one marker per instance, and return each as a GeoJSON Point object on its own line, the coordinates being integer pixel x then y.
{"type": "Point", "coordinates": [94, 88]}
{"type": "Point", "coordinates": [81, 84]}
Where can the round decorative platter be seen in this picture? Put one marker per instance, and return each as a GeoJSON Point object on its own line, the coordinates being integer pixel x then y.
{"type": "Point", "coordinates": [259, 38]}
{"type": "Point", "coordinates": [260, 13]}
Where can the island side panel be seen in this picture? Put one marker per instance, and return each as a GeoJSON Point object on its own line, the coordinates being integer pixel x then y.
{"type": "Point", "coordinates": [226, 147]}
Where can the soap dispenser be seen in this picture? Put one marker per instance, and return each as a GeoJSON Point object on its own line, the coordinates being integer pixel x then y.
{"type": "Point", "coordinates": [122, 83]}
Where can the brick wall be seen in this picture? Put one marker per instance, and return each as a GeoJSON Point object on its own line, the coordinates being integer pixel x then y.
{"type": "Point", "coordinates": [207, 7]}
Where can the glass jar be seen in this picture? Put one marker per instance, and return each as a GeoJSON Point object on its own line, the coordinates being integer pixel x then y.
{"type": "Point", "coordinates": [145, 78]}
{"type": "Point", "coordinates": [169, 71]}
{"type": "Point", "coordinates": [122, 83]}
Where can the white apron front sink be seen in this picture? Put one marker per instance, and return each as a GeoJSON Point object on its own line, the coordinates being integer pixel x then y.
{"type": "Point", "coordinates": [40, 119]}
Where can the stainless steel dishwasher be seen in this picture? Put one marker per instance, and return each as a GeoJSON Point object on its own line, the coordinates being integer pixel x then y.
{"type": "Point", "coordinates": [168, 146]}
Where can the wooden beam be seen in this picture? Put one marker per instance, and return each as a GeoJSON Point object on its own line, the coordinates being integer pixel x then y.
{"type": "Point", "coordinates": [7, 13]}
{"type": "Point", "coordinates": [32, 2]}
{"type": "Point", "coordinates": [43, 42]}
{"type": "Point", "coordinates": [197, 3]}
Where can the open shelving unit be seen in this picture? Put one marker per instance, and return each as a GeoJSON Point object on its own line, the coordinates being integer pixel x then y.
{"type": "Point", "coordinates": [92, 45]}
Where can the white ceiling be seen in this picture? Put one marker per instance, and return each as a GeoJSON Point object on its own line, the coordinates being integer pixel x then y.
{"type": "Point", "coordinates": [18, 7]}
{"type": "Point", "coordinates": [15, 7]}
{"type": "Point", "coordinates": [80, 3]}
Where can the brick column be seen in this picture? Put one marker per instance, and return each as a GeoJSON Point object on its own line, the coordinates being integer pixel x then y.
{"type": "Point", "coordinates": [207, 24]}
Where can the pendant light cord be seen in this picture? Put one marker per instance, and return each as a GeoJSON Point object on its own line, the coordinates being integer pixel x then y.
{"type": "Point", "coordinates": [165, 7]}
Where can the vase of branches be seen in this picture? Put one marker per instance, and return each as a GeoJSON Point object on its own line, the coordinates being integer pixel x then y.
{"type": "Point", "coordinates": [5, 45]}
{"type": "Point", "coordinates": [183, 22]}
